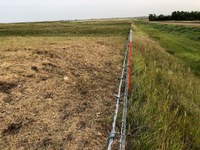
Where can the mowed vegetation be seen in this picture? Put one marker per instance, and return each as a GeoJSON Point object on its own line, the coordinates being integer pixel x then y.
{"type": "Point", "coordinates": [57, 81]}
{"type": "Point", "coordinates": [165, 107]}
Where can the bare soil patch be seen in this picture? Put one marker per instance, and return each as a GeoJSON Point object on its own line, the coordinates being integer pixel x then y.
{"type": "Point", "coordinates": [185, 23]}
{"type": "Point", "coordinates": [57, 93]}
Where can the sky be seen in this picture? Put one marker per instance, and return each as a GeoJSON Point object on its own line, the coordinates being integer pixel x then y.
{"type": "Point", "coordinates": [50, 10]}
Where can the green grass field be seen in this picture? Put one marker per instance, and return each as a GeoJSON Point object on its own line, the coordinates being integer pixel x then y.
{"type": "Point", "coordinates": [180, 41]}
{"type": "Point", "coordinates": [164, 112]}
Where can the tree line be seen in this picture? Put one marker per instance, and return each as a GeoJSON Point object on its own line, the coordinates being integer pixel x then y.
{"type": "Point", "coordinates": [176, 15]}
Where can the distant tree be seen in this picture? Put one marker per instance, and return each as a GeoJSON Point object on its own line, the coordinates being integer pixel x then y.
{"type": "Point", "coordinates": [154, 17]}
{"type": "Point", "coordinates": [176, 15]}
{"type": "Point", "coordinates": [151, 17]}
{"type": "Point", "coordinates": [160, 17]}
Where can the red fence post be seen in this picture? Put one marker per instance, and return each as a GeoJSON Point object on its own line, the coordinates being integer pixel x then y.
{"type": "Point", "coordinates": [130, 61]}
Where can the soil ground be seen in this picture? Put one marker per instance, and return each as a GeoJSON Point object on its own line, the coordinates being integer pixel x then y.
{"type": "Point", "coordinates": [57, 92]}
{"type": "Point", "coordinates": [185, 23]}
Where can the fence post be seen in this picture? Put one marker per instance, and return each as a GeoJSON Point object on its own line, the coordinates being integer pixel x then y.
{"type": "Point", "coordinates": [130, 60]}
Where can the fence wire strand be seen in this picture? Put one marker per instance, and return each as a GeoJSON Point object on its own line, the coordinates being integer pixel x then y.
{"type": "Point", "coordinates": [118, 96]}
{"type": "Point", "coordinates": [123, 81]}
{"type": "Point", "coordinates": [126, 92]}
{"type": "Point", "coordinates": [123, 124]}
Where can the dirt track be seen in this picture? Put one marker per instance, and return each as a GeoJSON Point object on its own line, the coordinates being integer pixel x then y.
{"type": "Point", "coordinates": [184, 23]}
{"type": "Point", "coordinates": [57, 93]}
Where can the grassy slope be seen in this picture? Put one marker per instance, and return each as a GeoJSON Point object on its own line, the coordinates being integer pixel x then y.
{"type": "Point", "coordinates": [181, 41]}
{"type": "Point", "coordinates": [165, 110]}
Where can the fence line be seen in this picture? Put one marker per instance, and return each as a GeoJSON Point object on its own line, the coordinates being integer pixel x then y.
{"type": "Point", "coordinates": [126, 77]}
{"type": "Point", "coordinates": [113, 133]}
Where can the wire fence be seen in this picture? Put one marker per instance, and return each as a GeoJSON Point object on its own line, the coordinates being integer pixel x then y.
{"type": "Point", "coordinates": [124, 80]}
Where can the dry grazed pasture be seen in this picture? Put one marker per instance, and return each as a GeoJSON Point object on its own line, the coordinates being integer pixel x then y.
{"type": "Point", "coordinates": [56, 88]}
